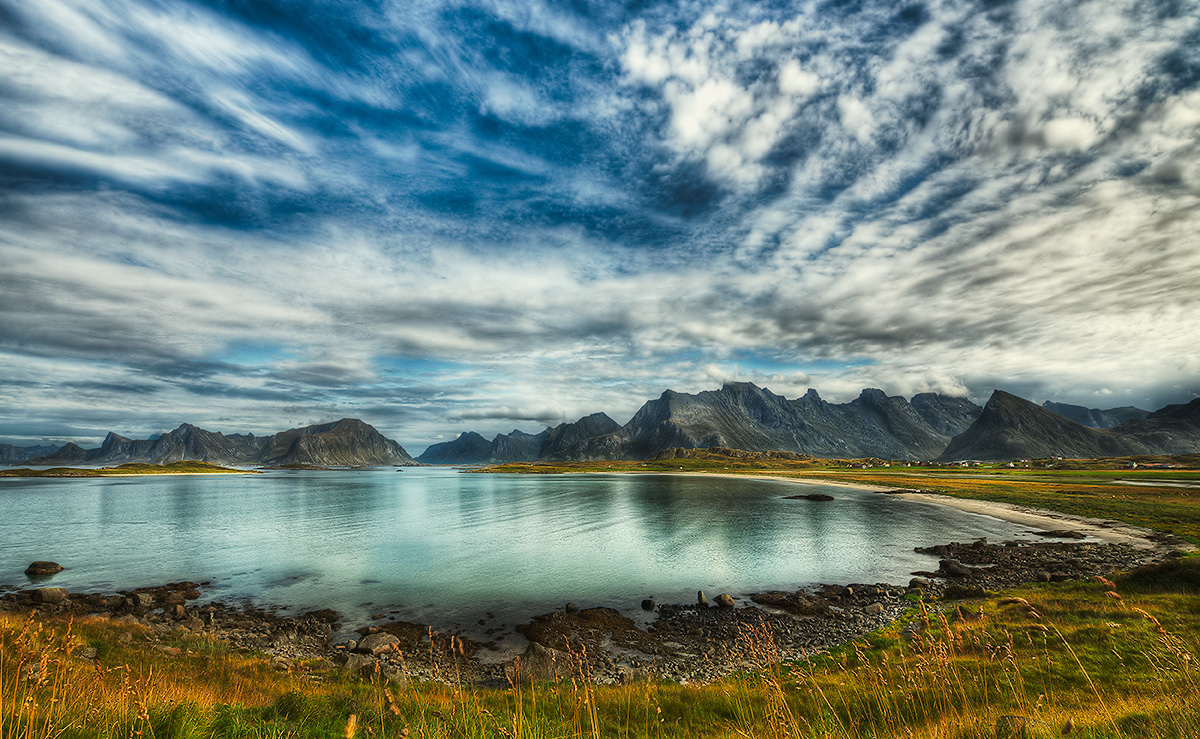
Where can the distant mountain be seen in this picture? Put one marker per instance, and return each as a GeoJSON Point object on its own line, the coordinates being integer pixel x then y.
{"type": "Point", "coordinates": [10, 454]}
{"type": "Point", "coordinates": [468, 448]}
{"type": "Point", "coordinates": [518, 446]}
{"type": "Point", "coordinates": [1094, 417]}
{"type": "Point", "coordinates": [1013, 428]}
{"type": "Point", "coordinates": [745, 416]}
{"type": "Point", "coordinates": [348, 442]}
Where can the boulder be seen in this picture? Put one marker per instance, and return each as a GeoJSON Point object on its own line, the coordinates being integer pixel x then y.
{"type": "Point", "coordinates": [701, 599]}
{"type": "Point", "coordinates": [378, 643]}
{"type": "Point", "coordinates": [571, 608]}
{"type": "Point", "coordinates": [343, 640]}
{"type": "Point", "coordinates": [43, 568]}
{"type": "Point", "coordinates": [648, 604]}
{"type": "Point", "coordinates": [919, 583]}
{"type": "Point", "coordinates": [141, 600]}
{"type": "Point", "coordinates": [356, 663]}
{"type": "Point", "coordinates": [725, 600]}
{"type": "Point", "coordinates": [954, 568]}
{"type": "Point", "coordinates": [873, 609]}
{"type": "Point", "coordinates": [48, 595]}
{"type": "Point", "coordinates": [540, 663]}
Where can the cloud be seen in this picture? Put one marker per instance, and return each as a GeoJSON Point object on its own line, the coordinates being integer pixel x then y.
{"type": "Point", "coordinates": [432, 213]}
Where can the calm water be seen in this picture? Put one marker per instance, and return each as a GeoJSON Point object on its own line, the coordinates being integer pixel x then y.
{"type": "Point", "coordinates": [445, 548]}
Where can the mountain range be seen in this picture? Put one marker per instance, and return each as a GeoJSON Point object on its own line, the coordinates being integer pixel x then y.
{"type": "Point", "coordinates": [1013, 428]}
{"type": "Point", "coordinates": [552, 443]}
{"type": "Point", "coordinates": [348, 442]}
{"type": "Point", "coordinates": [10, 454]}
{"type": "Point", "coordinates": [928, 426]}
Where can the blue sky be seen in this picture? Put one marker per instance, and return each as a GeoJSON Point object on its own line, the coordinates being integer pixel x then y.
{"type": "Point", "coordinates": [435, 216]}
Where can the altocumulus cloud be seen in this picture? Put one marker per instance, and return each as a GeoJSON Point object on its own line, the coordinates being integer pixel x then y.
{"type": "Point", "coordinates": [251, 215]}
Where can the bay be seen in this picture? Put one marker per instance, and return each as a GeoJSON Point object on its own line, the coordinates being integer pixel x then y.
{"type": "Point", "coordinates": [448, 549]}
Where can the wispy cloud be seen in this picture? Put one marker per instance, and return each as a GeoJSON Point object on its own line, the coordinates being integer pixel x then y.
{"type": "Point", "coordinates": [429, 213]}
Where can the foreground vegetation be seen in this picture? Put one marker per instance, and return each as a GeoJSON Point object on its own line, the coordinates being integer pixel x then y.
{"type": "Point", "coordinates": [1097, 659]}
{"type": "Point", "coordinates": [187, 467]}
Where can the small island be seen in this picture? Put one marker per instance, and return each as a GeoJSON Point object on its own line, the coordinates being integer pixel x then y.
{"type": "Point", "coordinates": [187, 467]}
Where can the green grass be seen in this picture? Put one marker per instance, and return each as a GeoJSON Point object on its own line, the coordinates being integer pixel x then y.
{"type": "Point", "coordinates": [131, 468]}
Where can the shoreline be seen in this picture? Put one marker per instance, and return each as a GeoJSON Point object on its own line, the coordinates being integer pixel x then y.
{"type": "Point", "coordinates": [1106, 530]}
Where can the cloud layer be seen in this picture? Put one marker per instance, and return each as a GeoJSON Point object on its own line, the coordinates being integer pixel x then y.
{"type": "Point", "coordinates": [437, 215]}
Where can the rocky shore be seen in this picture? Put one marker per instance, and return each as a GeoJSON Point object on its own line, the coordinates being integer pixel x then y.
{"type": "Point", "coordinates": [694, 642]}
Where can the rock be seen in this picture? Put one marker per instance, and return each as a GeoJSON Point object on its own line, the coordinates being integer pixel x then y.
{"type": "Point", "coordinates": [959, 592]}
{"type": "Point", "coordinates": [178, 612]}
{"type": "Point", "coordinates": [540, 663]}
{"type": "Point", "coordinates": [43, 569]}
{"type": "Point", "coordinates": [378, 643]}
{"type": "Point", "coordinates": [343, 640]}
{"type": "Point", "coordinates": [141, 600]}
{"type": "Point", "coordinates": [193, 624]}
{"type": "Point", "coordinates": [873, 609]}
{"type": "Point", "coordinates": [701, 599]}
{"type": "Point", "coordinates": [169, 651]}
{"type": "Point", "coordinates": [1012, 727]}
{"type": "Point", "coordinates": [725, 600]}
{"type": "Point", "coordinates": [810, 496]}
{"type": "Point", "coordinates": [1042, 576]}
{"type": "Point", "coordinates": [355, 663]}
{"type": "Point", "coordinates": [627, 675]}
{"type": "Point", "coordinates": [48, 595]}
{"type": "Point", "coordinates": [648, 604]}
{"type": "Point", "coordinates": [173, 599]}
{"type": "Point", "coordinates": [919, 583]}
{"type": "Point", "coordinates": [325, 615]}
{"type": "Point", "coordinates": [571, 608]}
{"type": "Point", "coordinates": [86, 652]}
{"type": "Point", "coordinates": [954, 568]}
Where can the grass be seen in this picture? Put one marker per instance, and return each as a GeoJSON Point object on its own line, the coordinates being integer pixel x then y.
{"type": "Point", "coordinates": [187, 467]}
{"type": "Point", "coordinates": [1109, 665]}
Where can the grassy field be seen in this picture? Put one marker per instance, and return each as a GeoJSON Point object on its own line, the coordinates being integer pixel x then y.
{"type": "Point", "coordinates": [1104, 659]}
{"type": "Point", "coordinates": [131, 468]}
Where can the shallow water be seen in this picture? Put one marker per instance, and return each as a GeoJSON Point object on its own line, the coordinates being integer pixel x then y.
{"type": "Point", "coordinates": [446, 548]}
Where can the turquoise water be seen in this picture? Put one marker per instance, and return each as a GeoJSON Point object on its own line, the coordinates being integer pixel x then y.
{"type": "Point", "coordinates": [447, 548]}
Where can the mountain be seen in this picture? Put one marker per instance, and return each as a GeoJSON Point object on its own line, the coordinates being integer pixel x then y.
{"type": "Point", "coordinates": [10, 454]}
{"type": "Point", "coordinates": [518, 446]}
{"type": "Point", "coordinates": [564, 438]}
{"type": "Point", "coordinates": [745, 416]}
{"type": "Point", "coordinates": [468, 448]}
{"type": "Point", "coordinates": [1094, 417]}
{"type": "Point", "coordinates": [348, 442]}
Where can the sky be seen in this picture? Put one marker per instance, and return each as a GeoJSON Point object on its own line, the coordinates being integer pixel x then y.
{"type": "Point", "coordinates": [439, 216]}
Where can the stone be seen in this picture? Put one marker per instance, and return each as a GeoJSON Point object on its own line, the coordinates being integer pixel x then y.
{"type": "Point", "coordinates": [873, 609]}
{"type": "Point", "coordinates": [173, 599]}
{"type": "Point", "coordinates": [178, 612]}
{"type": "Point", "coordinates": [49, 595]}
{"type": "Point", "coordinates": [355, 663]}
{"type": "Point", "coordinates": [571, 608]}
{"type": "Point", "coordinates": [627, 675]}
{"type": "Point", "coordinates": [725, 600]}
{"type": "Point", "coordinates": [701, 598]}
{"type": "Point", "coordinates": [648, 604]}
{"type": "Point", "coordinates": [919, 583]}
{"type": "Point", "coordinates": [1042, 576]}
{"type": "Point", "coordinates": [142, 600]}
{"type": "Point", "coordinates": [343, 640]}
{"type": "Point", "coordinates": [378, 643]}
{"type": "Point", "coordinates": [43, 568]}
{"type": "Point", "coordinates": [193, 624]}
{"type": "Point", "coordinates": [540, 663]}
{"type": "Point", "coordinates": [954, 568]}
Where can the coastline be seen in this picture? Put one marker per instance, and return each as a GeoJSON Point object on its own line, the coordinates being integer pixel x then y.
{"type": "Point", "coordinates": [1104, 530]}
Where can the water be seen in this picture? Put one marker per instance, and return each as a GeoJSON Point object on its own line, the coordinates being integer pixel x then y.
{"type": "Point", "coordinates": [446, 548]}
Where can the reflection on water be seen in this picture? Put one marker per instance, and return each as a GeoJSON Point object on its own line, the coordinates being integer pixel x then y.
{"type": "Point", "coordinates": [447, 547]}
